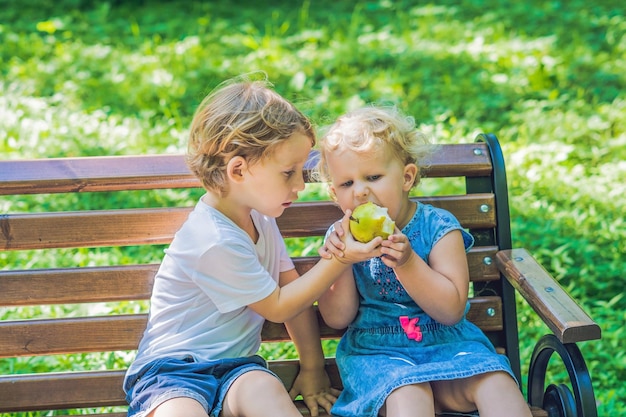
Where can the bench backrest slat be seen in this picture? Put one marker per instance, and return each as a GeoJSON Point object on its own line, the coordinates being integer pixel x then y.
{"type": "Point", "coordinates": [62, 390]}
{"type": "Point", "coordinates": [134, 282]}
{"type": "Point", "coordinates": [127, 227]}
{"type": "Point", "coordinates": [85, 174]}
{"type": "Point", "coordinates": [123, 332]}
{"type": "Point", "coordinates": [144, 172]}
{"type": "Point", "coordinates": [77, 285]}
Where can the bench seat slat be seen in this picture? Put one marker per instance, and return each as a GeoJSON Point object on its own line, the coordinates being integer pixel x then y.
{"type": "Point", "coordinates": [145, 172]}
{"type": "Point", "coordinates": [535, 411]}
{"type": "Point", "coordinates": [134, 282]}
{"type": "Point", "coordinates": [158, 225]}
{"type": "Point", "coordinates": [69, 390]}
{"type": "Point", "coordinates": [122, 332]}
{"type": "Point", "coordinates": [66, 390]}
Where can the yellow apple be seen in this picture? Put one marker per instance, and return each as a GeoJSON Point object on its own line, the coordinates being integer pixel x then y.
{"type": "Point", "coordinates": [370, 220]}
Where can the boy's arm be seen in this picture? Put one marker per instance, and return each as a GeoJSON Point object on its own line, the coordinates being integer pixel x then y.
{"type": "Point", "coordinates": [291, 298]}
{"type": "Point", "coordinates": [312, 381]}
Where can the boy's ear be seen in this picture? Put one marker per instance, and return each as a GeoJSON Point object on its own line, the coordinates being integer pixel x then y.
{"type": "Point", "coordinates": [410, 176]}
{"type": "Point", "coordinates": [235, 168]}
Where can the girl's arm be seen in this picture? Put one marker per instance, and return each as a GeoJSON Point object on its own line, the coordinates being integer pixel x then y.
{"type": "Point", "coordinates": [439, 287]}
{"type": "Point", "coordinates": [312, 381]}
{"type": "Point", "coordinates": [340, 303]}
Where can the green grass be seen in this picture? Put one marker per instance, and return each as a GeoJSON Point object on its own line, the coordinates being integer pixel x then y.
{"type": "Point", "coordinates": [103, 78]}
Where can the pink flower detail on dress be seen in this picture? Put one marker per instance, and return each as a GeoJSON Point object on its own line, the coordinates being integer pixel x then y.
{"type": "Point", "coordinates": [410, 327]}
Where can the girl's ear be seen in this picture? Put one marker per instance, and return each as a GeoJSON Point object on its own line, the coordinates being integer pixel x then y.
{"type": "Point", "coordinates": [236, 168]}
{"type": "Point", "coordinates": [410, 176]}
{"type": "Point", "coordinates": [331, 192]}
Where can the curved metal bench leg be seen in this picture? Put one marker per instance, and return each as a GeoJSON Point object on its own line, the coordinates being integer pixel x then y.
{"type": "Point", "coordinates": [559, 400]}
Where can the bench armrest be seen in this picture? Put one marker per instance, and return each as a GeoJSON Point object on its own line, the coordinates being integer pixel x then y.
{"type": "Point", "coordinates": [565, 318]}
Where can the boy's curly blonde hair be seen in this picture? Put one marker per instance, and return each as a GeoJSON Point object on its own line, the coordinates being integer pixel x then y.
{"type": "Point", "coordinates": [376, 127]}
{"type": "Point", "coordinates": [241, 117]}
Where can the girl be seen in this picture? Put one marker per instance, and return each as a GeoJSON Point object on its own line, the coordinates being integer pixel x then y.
{"type": "Point", "coordinates": [408, 349]}
{"type": "Point", "coordinates": [227, 270]}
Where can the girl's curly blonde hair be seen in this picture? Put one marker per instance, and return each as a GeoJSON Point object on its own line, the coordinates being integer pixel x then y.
{"type": "Point", "coordinates": [241, 117]}
{"type": "Point", "coordinates": [375, 127]}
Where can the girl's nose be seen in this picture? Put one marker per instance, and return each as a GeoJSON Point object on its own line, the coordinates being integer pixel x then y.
{"type": "Point", "coordinates": [361, 190]}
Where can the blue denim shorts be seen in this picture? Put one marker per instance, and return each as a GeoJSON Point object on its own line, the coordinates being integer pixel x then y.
{"type": "Point", "coordinates": [167, 378]}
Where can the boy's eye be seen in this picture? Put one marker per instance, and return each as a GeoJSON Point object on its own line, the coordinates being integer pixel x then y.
{"type": "Point", "coordinates": [290, 173]}
{"type": "Point", "coordinates": [346, 184]}
{"type": "Point", "coordinates": [374, 177]}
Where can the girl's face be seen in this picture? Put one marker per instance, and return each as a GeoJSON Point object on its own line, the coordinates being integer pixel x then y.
{"type": "Point", "coordinates": [273, 183]}
{"type": "Point", "coordinates": [376, 176]}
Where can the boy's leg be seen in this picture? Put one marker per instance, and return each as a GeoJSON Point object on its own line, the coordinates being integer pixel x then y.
{"type": "Point", "coordinates": [258, 393]}
{"type": "Point", "coordinates": [409, 401]}
{"type": "Point", "coordinates": [179, 407]}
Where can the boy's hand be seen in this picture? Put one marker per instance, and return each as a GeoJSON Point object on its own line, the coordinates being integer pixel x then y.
{"type": "Point", "coordinates": [333, 244]}
{"type": "Point", "coordinates": [314, 387]}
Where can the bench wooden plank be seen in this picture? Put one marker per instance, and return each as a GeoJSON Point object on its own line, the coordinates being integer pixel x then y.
{"type": "Point", "coordinates": [71, 335]}
{"type": "Point", "coordinates": [482, 265]}
{"type": "Point", "coordinates": [123, 332]}
{"type": "Point", "coordinates": [98, 388]}
{"type": "Point", "coordinates": [158, 225]}
{"type": "Point", "coordinates": [76, 285]}
{"type": "Point", "coordinates": [79, 389]}
{"type": "Point", "coordinates": [559, 311]}
{"type": "Point", "coordinates": [62, 390]}
{"type": "Point", "coordinates": [134, 282]}
{"type": "Point", "coordinates": [480, 260]}
{"type": "Point", "coordinates": [100, 173]}
{"type": "Point", "coordinates": [144, 172]}
{"type": "Point", "coordinates": [90, 228]}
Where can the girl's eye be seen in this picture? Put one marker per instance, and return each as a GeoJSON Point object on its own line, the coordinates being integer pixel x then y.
{"type": "Point", "coordinates": [346, 184]}
{"type": "Point", "coordinates": [374, 177]}
{"type": "Point", "coordinates": [289, 174]}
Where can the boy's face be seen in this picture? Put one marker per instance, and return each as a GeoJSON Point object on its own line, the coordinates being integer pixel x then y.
{"type": "Point", "coordinates": [376, 176]}
{"type": "Point", "coordinates": [273, 183]}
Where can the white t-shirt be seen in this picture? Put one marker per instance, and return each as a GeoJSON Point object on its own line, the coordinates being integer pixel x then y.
{"type": "Point", "coordinates": [210, 273]}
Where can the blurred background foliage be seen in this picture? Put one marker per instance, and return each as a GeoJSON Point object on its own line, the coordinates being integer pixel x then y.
{"type": "Point", "coordinates": [80, 78]}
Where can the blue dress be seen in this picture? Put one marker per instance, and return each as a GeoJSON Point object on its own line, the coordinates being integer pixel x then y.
{"type": "Point", "coordinates": [392, 342]}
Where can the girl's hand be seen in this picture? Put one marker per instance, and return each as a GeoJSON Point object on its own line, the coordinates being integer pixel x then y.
{"type": "Point", "coordinates": [396, 250]}
{"type": "Point", "coordinates": [348, 250]}
{"type": "Point", "coordinates": [355, 251]}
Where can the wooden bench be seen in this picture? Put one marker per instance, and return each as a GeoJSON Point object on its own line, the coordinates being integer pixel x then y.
{"type": "Point", "coordinates": [86, 242]}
